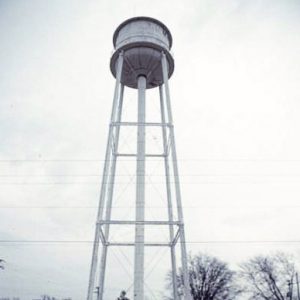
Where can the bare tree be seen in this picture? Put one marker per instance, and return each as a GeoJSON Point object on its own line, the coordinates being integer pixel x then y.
{"type": "Point", "coordinates": [210, 279]}
{"type": "Point", "coordinates": [267, 277]}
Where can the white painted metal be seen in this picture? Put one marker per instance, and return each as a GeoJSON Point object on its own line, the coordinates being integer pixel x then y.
{"type": "Point", "coordinates": [142, 60]}
{"type": "Point", "coordinates": [169, 196]}
{"type": "Point", "coordinates": [142, 39]}
{"type": "Point", "coordinates": [110, 198]}
{"type": "Point", "coordinates": [104, 182]}
{"type": "Point", "coordinates": [140, 124]}
{"type": "Point", "coordinates": [140, 194]}
{"type": "Point", "coordinates": [134, 155]}
{"type": "Point", "coordinates": [142, 30]}
{"type": "Point", "coordinates": [119, 222]}
{"type": "Point", "coordinates": [176, 179]}
{"type": "Point", "coordinates": [145, 244]}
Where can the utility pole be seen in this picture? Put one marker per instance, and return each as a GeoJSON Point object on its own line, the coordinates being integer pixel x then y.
{"type": "Point", "coordinates": [298, 290]}
{"type": "Point", "coordinates": [290, 289]}
{"type": "Point", "coordinates": [289, 295]}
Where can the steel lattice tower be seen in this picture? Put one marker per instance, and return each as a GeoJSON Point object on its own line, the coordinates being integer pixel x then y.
{"type": "Point", "coordinates": [141, 60]}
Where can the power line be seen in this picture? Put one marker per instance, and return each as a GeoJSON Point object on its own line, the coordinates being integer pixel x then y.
{"type": "Point", "coordinates": [148, 183]}
{"type": "Point", "coordinates": [128, 206]}
{"type": "Point", "coordinates": [188, 242]}
{"type": "Point", "coordinates": [152, 159]}
{"type": "Point", "coordinates": [152, 175]}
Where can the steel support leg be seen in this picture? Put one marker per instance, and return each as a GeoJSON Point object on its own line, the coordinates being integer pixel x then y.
{"type": "Point", "coordinates": [110, 197]}
{"type": "Point", "coordinates": [140, 194]}
{"type": "Point", "coordinates": [169, 196]}
{"type": "Point", "coordinates": [106, 168]}
{"type": "Point", "coordinates": [184, 261]}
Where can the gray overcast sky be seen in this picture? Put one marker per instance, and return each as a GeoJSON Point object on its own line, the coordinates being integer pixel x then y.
{"type": "Point", "coordinates": [236, 101]}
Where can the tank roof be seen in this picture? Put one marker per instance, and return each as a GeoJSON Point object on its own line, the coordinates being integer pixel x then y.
{"type": "Point", "coordinates": [142, 19]}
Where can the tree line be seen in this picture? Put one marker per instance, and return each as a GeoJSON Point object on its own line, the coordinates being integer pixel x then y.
{"type": "Point", "coordinates": [43, 297]}
{"type": "Point", "coordinates": [264, 277]}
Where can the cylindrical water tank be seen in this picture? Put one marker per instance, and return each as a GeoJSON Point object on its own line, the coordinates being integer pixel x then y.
{"type": "Point", "coordinates": [142, 40]}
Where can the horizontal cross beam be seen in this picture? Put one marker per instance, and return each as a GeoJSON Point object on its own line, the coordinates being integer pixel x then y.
{"type": "Point", "coordinates": [141, 124]}
{"type": "Point", "coordinates": [145, 244]}
{"type": "Point", "coordinates": [134, 155]}
{"type": "Point", "coordinates": [119, 222]}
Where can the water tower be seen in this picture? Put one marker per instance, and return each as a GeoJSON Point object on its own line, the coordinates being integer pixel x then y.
{"type": "Point", "coordinates": [142, 61]}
